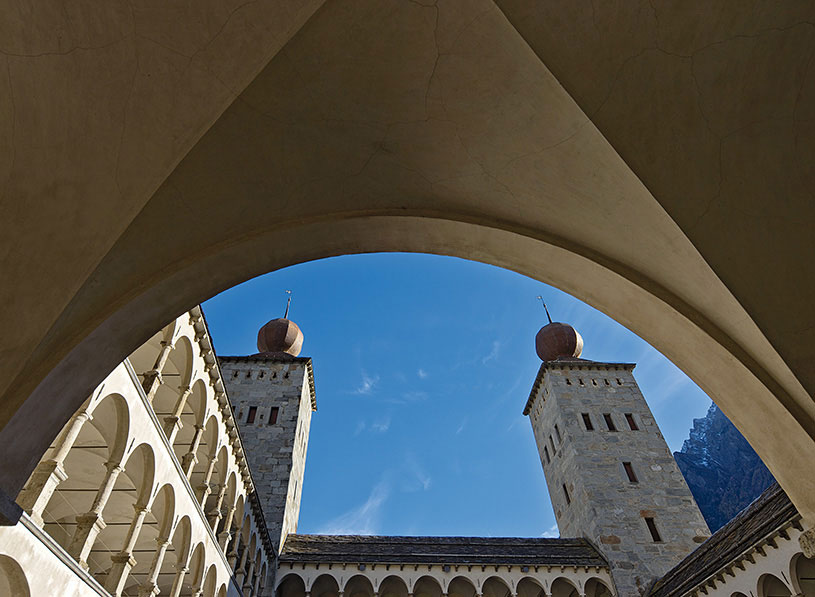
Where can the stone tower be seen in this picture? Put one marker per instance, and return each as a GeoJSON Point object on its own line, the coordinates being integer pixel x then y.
{"type": "Point", "coordinates": [272, 394]}
{"type": "Point", "coordinates": [610, 474]}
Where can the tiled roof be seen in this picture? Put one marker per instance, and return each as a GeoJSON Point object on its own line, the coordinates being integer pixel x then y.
{"type": "Point", "coordinates": [440, 550]}
{"type": "Point", "coordinates": [767, 513]}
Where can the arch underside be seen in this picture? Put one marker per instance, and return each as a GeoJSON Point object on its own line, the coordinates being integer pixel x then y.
{"type": "Point", "coordinates": [627, 174]}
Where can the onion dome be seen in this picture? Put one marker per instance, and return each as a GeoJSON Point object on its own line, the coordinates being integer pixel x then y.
{"type": "Point", "coordinates": [558, 341]}
{"type": "Point", "coordinates": [280, 335]}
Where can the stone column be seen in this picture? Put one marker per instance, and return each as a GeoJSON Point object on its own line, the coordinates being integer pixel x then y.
{"type": "Point", "coordinates": [204, 489]}
{"type": "Point", "coordinates": [172, 423]}
{"type": "Point", "coordinates": [178, 581]}
{"type": "Point", "coordinates": [90, 524]}
{"type": "Point", "coordinates": [50, 473]}
{"type": "Point", "coordinates": [232, 556]}
{"type": "Point", "coordinates": [150, 586]}
{"type": "Point", "coordinates": [152, 379]}
{"type": "Point", "coordinates": [247, 584]}
{"type": "Point", "coordinates": [226, 534]}
{"type": "Point", "coordinates": [189, 460]}
{"type": "Point", "coordinates": [215, 514]}
{"type": "Point", "coordinates": [240, 573]}
{"type": "Point", "coordinates": [123, 561]}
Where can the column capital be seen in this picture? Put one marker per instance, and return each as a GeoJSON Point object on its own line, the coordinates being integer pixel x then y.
{"type": "Point", "coordinates": [123, 558]}
{"type": "Point", "coordinates": [807, 542]}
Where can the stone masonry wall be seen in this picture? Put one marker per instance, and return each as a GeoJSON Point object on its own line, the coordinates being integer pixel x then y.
{"type": "Point", "coordinates": [605, 506]}
{"type": "Point", "coordinates": [276, 452]}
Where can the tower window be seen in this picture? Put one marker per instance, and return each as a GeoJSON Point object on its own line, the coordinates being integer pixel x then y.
{"type": "Point", "coordinates": [557, 433]}
{"type": "Point", "coordinates": [652, 528]}
{"type": "Point", "coordinates": [632, 424]}
{"type": "Point", "coordinates": [629, 471]}
{"type": "Point", "coordinates": [587, 422]}
{"type": "Point", "coordinates": [569, 499]}
{"type": "Point", "coordinates": [606, 380]}
{"type": "Point", "coordinates": [552, 443]}
{"type": "Point", "coordinates": [580, 380]}
{"type": "Point", "coordinates": [609, 422]}
{"type": "Point", "coordinates": [273, 415]}
{"type": "Point", "coordinates": [619, 383]}
{"type": "Point", "coordinates": [248, 374]}
{"type": "Point", "coordinates": [546, 453]}
{"type": "Point", "coordinates": [594, 382]}
{"type": "Point", "coordinates": [568, 381]}
{"type": "Point", "coordinates": [250, 418]}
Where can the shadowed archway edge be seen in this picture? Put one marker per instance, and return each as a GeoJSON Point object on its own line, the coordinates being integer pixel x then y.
{"type": "Point", "coordinates": [774, 419]}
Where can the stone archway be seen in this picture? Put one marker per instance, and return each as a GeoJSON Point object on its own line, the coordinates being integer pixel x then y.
{"type": "Point", "coordinates": [626, 174]}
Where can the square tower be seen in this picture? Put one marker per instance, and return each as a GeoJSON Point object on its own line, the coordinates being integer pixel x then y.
{"type": "Point", "coordinates": [610, 474]}
{"type": "Point", "coordinates": [273, 397]}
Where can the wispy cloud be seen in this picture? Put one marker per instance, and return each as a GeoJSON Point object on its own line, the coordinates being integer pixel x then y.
{"type": "Point", "coordinates": [359, 428]}
{"type": "Point", "coordinates": [552, 533]}
{"type": "Point", "coordinates": [422, 374]}
{"type": "Point", "coordinates": [461, 426]}
{"type": "Point", "coordinates": [367, 385]}
{"type": "Point", "coordinates": [419, 477]}
{"type": "Point", "coordinates": [381, 426]}
{"type": "Point", "coordinates": [496, 348]}
{"type": "Point", "coordinates": [362, 520]}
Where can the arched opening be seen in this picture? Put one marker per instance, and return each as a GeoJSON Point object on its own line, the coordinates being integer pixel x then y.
{"type": "Point", "coordinates": [210, 581]}
{"type": "Point", "coordinates": [13, 581]}
{"type": "Point", "coordinates": [391, 586]}
{"type": "Point", "coordinates": [193, 581]}
{"type": "Point", "coordinates": [359, 586]}
{"type": "Point", "coordinates": [426, 586]}
{"type": "Point", "coordinates": [152, 543]}
{"type": "Point", "coordinates": [564, 588]}
{"type": "Point", "coordinates": [176, 560]}
{"type": "Point", "coordinates": [597, 588]}
{"type": "Point", "coordinates": [770, 585]}
{"type": "Point", "coordinates": [325, 585]}
{"type": "Point", "coordinates": [124, 513]}
{"type": "Point", "coordinates": [528, 587]}
{"type": "Point", "coordinates": [462, 587]}
{"type": "Point", "coordinates": [495, 587]}
{"type": "Point", "coordinates": [152, 355]}
{"type": "Point", "coordinates": [99, 445]}
{"type": "Point", "coordinates": [203, 465]}
{"type": "Point", "coordinates": [182, 431]}
{"type": "Point", "coordinates": [165, 387]}
{"type": "Point", "coordinates": [803, 575]}
{"type": "Point", "coordinates": [291, 585]}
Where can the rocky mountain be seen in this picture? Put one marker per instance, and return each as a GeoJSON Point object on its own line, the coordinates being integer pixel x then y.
{"type": "Point", "coordinates": [724, 473]}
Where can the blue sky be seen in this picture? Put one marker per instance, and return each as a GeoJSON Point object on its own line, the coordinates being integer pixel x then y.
{"type": "Point", "coordinates": [422, 366]}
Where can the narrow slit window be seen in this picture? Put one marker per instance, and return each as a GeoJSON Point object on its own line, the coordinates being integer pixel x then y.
{"type": "Point", "coordinates": [273, 415]}
{"type": "Point", "coordinates": [606, 380]}
{"type": "Point", "coordinates": [619, 383]}
{"type": "Point", "coordinates": [587, 422]}
{"type": "Point", "coordinates": [652, 528]}
{"type": "Point", "coordinates": [250, 418]}
{"type": "Point", "coordinates": [580, 381]}
{"type": "Point", "coordinates": [632, 424]}
{"type": "Point", "coordinates": [629, 471]}
{"type": "Point", "coordinates": [557, 433]}
{"type": "Point", "coordinates": [609, 422]}
{"type": "Point", "coordinates": [546, 453]}
{"type": "Point", "coordinates": [552, 443]}
{"type": "Point", "coordinates": [568, 498]}
{"type": "Point", "coordinates": [594, 382]}
{"type": "Point", "coordinates": [568, 381]}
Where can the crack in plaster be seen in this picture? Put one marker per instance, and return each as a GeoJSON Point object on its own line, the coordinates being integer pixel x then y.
{"type": "Point", "coordinates": [66, 52]}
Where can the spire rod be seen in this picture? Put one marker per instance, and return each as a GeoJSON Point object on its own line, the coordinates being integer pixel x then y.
{"type": "Point", "coordinates": [540, 298]}
{"type": "Point", "coordinates": [288, 304]}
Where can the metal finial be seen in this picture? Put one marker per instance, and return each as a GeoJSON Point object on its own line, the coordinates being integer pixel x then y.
{"type": "Point", "coordinates": [540, 298]}
{"type": "Point", "coordinates": [288, 304]}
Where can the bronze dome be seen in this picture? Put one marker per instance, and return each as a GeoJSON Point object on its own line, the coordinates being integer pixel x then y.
{"type": "Point", "coordinates": [558, 341]}
{"type": "Point", "coordinates": [280, 335]}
